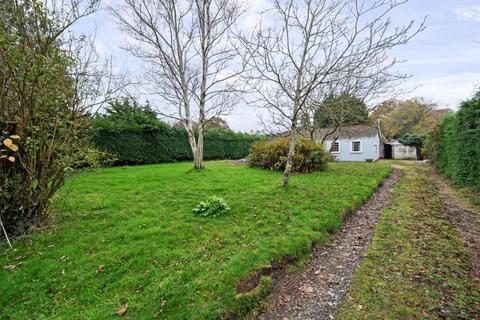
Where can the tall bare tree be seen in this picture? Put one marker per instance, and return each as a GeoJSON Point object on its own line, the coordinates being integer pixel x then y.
{"type": "Point", "coordinates": [187, 43]}
{"type": "Point", "coordinates": [315, 48]}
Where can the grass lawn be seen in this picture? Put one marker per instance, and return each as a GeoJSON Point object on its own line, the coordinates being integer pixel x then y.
{"type": "Point", "coordinates": [416, 267]}
{"type": "Point", "coordinates": [137, 223]}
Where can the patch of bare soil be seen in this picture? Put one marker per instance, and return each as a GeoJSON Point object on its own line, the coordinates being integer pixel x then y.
{"type": "Point", "coordinates": [316, 292]}
{"type": "Point", "coordinates": [276, 271]}
{"type": "Point", "coordinates": [467, 220]}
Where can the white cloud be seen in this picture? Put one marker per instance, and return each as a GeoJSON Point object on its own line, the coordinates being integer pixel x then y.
{"type": "Point", "coordinates": [469, 13]}
{"type": "Point", "coordinates": [434, 61]}
{"type": "Point", "coordinates": [254, 14]}
{"type": "Point", "coordinates": [447, 90]}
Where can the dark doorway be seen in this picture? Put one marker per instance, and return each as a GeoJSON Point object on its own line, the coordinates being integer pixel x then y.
{"type": "Point", "coordinates": [388, 151]}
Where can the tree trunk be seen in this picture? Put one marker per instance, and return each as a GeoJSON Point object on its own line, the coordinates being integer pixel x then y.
{"type": "Point", "coordinates": [291, 154]}
{"type": "Point", "coordinates": [204, 21]}
{"type": "Point", "coordinates": [198, 159]}
{"type": "Point", "coordinates": [192, 142]}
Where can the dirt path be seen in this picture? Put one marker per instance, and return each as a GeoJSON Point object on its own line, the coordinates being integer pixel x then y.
{"type": "Point", "coordinates": [467, 220]}
{"type": "Point", "coordinates": [316, 292]}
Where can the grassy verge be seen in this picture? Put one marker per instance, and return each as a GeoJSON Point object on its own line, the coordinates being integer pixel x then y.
{"type": "Point", "coordinates": [128, 235]}
{"type": "Point", "coordinates": [468, 194]}
{"type": "Point", "coordinates": [416, 266]}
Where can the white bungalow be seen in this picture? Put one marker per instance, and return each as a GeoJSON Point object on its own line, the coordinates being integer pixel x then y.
{"type": "Point", "coordinates": [353, 143]}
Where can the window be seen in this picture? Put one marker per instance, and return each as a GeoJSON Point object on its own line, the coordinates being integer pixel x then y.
{"type": "Point", "coordinates": [335, 147]}
{"type": "Point", "coordinates": [356, 147]}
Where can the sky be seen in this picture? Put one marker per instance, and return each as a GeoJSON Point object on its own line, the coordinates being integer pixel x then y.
{"type": "Point", "coordinates": [443, 60]}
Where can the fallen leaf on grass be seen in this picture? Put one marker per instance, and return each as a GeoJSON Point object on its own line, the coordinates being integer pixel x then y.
{"type": "Point", "coordinates": [122, 310]}
{"type": "Point", "coordinates": [101, 268]}
{"type": "Point", "coordinates": [10, 267]}
{"type": "Point", "coordinates": [7, 142]}
{"type": "Point", "coordinates": [13, 147]}
{"type": "Point", "coordinates": [157, 315]}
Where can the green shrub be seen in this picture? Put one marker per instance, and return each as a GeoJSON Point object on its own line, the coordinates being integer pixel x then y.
{"type": "Point", "coordinates": [454, 147]}
{"type": "Point", "coordinates": [213, 207]}
{"type": "Point", "coordinates": [432, 144]}
{"type": "Point", "coordinates": [46, 95]}
{"type": "Point", "coordinates": [272, 155]}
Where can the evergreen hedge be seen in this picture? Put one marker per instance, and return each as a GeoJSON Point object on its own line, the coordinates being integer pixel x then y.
{"type": "Point", "coordinates": [456, 149]}
{"type": "Point", "coordinates": [145, 145]}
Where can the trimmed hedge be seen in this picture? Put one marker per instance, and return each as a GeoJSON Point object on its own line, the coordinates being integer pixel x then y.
{"type": "Point", "coordinates": [455, 147]}
{"type": "Point", "coordinates": [168, 144]}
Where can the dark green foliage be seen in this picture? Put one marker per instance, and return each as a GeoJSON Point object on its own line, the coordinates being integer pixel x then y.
{"type": "Point", "coordinates": [272, 155]}
{"type": "Point", "coordinates": [134, 135]}
{"type": "Point", "coordinates": [127, 113]}
{"type": "Point", "coordinates": [168, 144]}
{"type": "Point", "coordinates": [413, 140]}
{"type": "Point", "coordinates": [213, 207]}
{"type": "Point", "coordinates": [455, 148]}
{"type": "Point", "coordinates": [343, 109]}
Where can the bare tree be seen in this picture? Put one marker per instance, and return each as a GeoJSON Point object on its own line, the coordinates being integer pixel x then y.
{"type": "Point", "coordinates": [315, 46]}
{"type": "Point", "coordinates": [187, 45]}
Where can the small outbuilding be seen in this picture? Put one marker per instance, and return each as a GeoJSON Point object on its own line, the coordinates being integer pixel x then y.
{"type": "Point", "coordinates": [399, 151]}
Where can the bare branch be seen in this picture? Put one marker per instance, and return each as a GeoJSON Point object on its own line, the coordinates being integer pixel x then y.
{"type": "Point", "coordinates": [188, 46]}
{"type": "Point", "coordinates": [314, 48]}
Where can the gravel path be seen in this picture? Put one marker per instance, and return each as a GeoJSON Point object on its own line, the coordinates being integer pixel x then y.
{"type": "Point", "coordinates": [316, 292]}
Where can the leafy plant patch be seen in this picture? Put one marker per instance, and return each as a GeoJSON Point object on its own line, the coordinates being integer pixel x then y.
{"type": "Point", "coordinates": [213, 207]}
